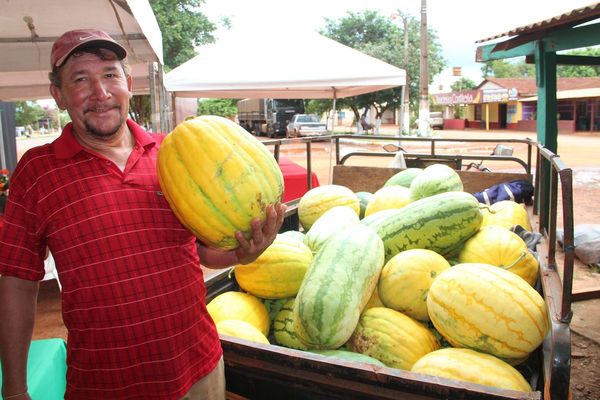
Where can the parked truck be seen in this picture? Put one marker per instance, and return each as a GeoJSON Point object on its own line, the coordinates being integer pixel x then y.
{"type": "Point", "coordinates": [268, 117]}
{"type": "Point", "coordinates": [268, 371]}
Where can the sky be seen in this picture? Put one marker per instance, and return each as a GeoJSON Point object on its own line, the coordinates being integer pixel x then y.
{"type": "Point", "coordinates": [458, 23]}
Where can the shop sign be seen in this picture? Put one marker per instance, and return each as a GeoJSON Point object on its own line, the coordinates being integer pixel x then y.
{"type": "Point", "coordinates": [494, 95]}
{"type": "Point", "coordinates": [450, 99]}
{"type": "Point", "coordinates": [513, 94]}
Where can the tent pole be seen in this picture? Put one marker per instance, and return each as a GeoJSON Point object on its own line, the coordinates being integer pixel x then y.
{"type": "Point", "coordinates": [334, 111]}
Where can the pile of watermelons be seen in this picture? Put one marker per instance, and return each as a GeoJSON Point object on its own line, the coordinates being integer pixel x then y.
{"type": "Point", "coordinates": [418, 276]}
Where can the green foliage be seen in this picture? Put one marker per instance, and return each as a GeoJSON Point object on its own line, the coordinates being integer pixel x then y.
{"type": "Point", "coordinates": [318, 107]}
{"type": "Point", "coordinates": [140, 108]}
{"type": "Point", "coordinates": [28, 113]}
{"type": "Point", "coordinates": [380, 37]}
{"type": "Point", "coordinates": [183, 27]}
{"type": "Point", "coordinates": [519, 69]}
{"type": "Point", "coordinates": [580, 71]}
{"type": "Point", "coordinates": [463, 84]}
{"type": "Point", "coordinates": [508, 69]}
{"type": "Point", "coordinates": [221, 107]}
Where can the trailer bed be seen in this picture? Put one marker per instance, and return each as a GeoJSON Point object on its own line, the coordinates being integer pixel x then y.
{"type": "Point", "coordinates": [258, 371]}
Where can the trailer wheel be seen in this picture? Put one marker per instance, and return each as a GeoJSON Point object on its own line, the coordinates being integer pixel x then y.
{"type": "Point", "coordinates": [257, 129]}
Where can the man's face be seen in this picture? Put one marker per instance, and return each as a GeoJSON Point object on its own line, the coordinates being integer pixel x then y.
{"type": "Point", "coordinates": [95, 92]}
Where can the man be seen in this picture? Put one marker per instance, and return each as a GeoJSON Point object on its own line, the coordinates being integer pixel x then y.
{"type": "Point", "coordinates": [133, 294]}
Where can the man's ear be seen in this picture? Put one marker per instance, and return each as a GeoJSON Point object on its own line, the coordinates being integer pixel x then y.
{"type": "Point", "coordinates": [57, 95]}
{"type": "Point", "coordinates": [130, 85]}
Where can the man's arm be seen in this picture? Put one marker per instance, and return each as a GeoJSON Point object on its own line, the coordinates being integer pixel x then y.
{"type": "Point", "coordinates": [263, 234]}
{"type": "Point", "coordinates": [18, 300]}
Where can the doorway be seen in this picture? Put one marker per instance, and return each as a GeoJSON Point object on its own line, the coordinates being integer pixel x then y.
{"type": "Point", "coordinates": [581, 116]}
{"type": "Point", "coordinates": [502, 110]}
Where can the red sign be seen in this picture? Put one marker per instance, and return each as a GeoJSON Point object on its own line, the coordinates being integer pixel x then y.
{"type": "Point", "coordinates": [453, 98]}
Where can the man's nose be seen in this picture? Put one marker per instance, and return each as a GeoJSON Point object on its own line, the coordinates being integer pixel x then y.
{"type": "Point", "coordinates": [100, 89]}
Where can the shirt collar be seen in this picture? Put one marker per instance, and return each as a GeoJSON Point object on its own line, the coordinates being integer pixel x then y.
{"type": "Point", "coordinates": [66, 146]}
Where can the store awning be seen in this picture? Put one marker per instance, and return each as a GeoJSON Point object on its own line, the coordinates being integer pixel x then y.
{"type": "Point", "coordinates": [571, 94]}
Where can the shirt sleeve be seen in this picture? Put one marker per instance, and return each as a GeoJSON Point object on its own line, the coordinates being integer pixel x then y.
{"type": "Point", "coordinates": [21, 250]}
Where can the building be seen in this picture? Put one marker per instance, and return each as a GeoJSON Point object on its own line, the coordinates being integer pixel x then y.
{"type": "Point", "coordinates": [511, 103]}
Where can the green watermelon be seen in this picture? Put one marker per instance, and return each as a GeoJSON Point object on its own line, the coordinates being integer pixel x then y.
{"type": "Point", "coordinates": [364, 198]}
{"type": "Point", "coordinates": [440, 223]}
{"type": "Point", "coordinates": [404, 177]}
{"type": "Point", "coordinates": [435, 179]}
{"type": "Point", "coordinates": [349, 356]}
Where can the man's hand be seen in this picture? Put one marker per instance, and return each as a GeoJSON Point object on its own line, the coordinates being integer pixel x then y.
{"type": "Point", "coordinates": [263, 234]}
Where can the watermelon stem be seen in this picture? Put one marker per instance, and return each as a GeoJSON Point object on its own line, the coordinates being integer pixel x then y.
{"type": "Point", "coordinates": [523, 254]}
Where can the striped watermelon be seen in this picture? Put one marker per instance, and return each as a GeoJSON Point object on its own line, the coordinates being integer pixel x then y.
{"type": "Point", "coordinates": [393, 338]}
{"type": "Point", "coordinates": [406, 278]}
{"type": "Point", "coordinates": [471, 366]}
{"type": "Point", "coordinates": [278, 272]}
{"type": "Point", "coordinates": [404, 177]}
{"type": "Point", "coordinates": [347, 355]}
{"type": "Point", "coordinates": [488, 309]}
{"type": "Point", "coordinates": [440, 223]}
{"type": "Point", "coordinates": [242, 330]}
{"type": "Point", "coordinates": [283, 327]}
{"type": "Point", "coordinates": [337, 287]}
{"type": "Point", "coordinates": [316, 201]}
{"type": "Point", "coordinates": [363, 198]}
{"type": "Point", "coordinates": [333, 221]}
{"type": "Point", "coordinates": [435, 179]}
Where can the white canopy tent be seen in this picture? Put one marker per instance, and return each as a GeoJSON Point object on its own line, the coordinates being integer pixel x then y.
{"type": "Point", "coordinates": [28, 29]}
{"type": "Point", "coordinates": [255, 63]}
{"type": "Point", "coordinates": [307, 66]}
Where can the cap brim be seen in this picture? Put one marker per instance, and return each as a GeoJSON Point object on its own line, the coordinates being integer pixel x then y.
{"type": "Point", "coordinates": [105, 44]}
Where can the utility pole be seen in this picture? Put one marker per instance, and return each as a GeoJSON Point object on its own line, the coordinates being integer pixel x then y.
{"type": "Point", "coordinates": [405, 106]}
{"type": "Point", "coordinates": [424, 77]}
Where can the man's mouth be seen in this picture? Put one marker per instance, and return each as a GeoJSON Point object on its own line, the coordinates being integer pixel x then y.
{"type": "Point", "coordinates": [99, 110]}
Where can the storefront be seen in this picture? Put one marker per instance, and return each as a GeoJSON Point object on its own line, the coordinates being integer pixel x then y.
{"type": "Point", "coordinates": [507, 103]}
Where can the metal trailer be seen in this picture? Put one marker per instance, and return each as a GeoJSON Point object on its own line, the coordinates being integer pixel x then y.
{"type": "Point", "coordinates": [257, 371]}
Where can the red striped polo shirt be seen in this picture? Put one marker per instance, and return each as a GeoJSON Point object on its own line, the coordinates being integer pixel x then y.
{"type": "Point", "coordinates": [133, 295]}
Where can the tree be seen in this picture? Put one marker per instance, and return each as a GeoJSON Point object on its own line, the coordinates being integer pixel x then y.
{"type": "Point", "coordinates": [183, 27]}
{"type": "Point", "coordinates": [222, 107]}
{"type": "Point", "coordinates": [462, 84]}
{"type": "Point", "coordinates": [580, 71]}
{"type": "Point", "coordinates": [28, 113]}
{"type": "Point", "coordinates": [519, 69]}
{"type": "Point", "coordinates": [508, 69]}
{"type": "Point", "coordinates": [378, 36]}
{"type": "Point", "coordinates": [318, 107]}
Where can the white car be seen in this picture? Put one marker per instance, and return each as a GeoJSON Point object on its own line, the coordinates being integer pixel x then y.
{"type": "Point", "coordinates": [305, 125]}
{"type": "Point", "coordinates": [436, 120]}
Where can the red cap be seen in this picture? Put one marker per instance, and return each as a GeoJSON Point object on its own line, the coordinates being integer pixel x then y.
{"type": "Point", "coordinates": [73, 40]}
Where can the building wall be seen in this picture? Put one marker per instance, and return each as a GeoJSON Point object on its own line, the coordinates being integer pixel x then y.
{"type": "Point", "coordinates": [492, 112]}
{"type": "Point", "coordinates": [470, 112]}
